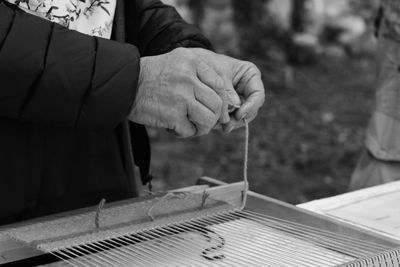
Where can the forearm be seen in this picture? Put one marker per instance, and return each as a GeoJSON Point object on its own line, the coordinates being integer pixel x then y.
{"type": "Point", "coordinates": [52, 75]}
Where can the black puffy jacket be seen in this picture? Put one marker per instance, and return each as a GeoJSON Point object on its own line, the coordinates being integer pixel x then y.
{"type": "Point", "coordinates": [64, 98]}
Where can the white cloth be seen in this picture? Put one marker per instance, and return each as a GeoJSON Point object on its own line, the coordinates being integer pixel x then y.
{"type": "Point", "coordinates": [92, 17]}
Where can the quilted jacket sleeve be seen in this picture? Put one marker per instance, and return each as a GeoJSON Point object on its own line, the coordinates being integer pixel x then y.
{"type": "Point", "coordinates": [158, 28]}
{"type": "Point", "coordinates": [52, 75]}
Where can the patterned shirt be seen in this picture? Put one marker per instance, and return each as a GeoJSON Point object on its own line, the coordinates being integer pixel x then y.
{"type": "Point", "coordinates": [92, 17]}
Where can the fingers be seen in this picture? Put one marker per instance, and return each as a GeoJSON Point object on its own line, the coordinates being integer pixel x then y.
{"type": "Point", "coordinates": [212, 79]}
{"type": "Point", "coordinates": [254, 99]}
{"type": "Point", "coordinates": [185, 128]}
{"type": "Point", "coordinates": [224, 118]}
{"type": "Point", "coordinates": [235, 124]}
{"type": "Point", "coordinates": [198, 121]}
{"type": "Point", "coordinates": [201, 114]}
{"type": "Point", "coordinates": [232, 96]}
{"type": "Point", "coordinates": [202, 117]}
{"type": "Point", "coordinates": [209, 98]}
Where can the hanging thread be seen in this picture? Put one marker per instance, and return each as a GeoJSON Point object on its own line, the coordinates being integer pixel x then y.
{"type": "Point", "coordinates": [98, 211]}
{"type": "Point", "coordinates": [204, 199]}
{"type": "Point", "coordinates": [245, 163]}
{"type": "Point", "coordinates": [205, 194]}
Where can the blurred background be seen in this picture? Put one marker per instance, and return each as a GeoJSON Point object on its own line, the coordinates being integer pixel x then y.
{"type": "Point", "coordinates": [318, 63]}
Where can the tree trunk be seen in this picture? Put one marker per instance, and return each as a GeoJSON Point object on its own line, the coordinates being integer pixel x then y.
{"type": "Point", "coordinates": [299, 16]}
{"type": "Point", "coordinates": [249, 18]}
{"type": "Point", "coordinates": [197, 9]}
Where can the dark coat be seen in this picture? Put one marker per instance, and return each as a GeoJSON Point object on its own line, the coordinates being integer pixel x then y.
{"type": "Point", "coordinates": [64, 99]}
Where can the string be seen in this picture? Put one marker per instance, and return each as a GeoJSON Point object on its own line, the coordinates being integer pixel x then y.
{"type": "Point", "coordinates": [293, 243]}
{"type": "Point", "coordinates": [162, 199]}
{"type": "Point", "coordinates": [204, 199]}
{"type": "Point", "coordinates": [97, 215]}
{"type": "Point", "coordinates": [332, 241]}
{"type": "Point", "coordinates": [245, 163]}
{"type": "Point", "coordinates": [148, 213]}
{"type": "Point", "coordinates": [280, 248]}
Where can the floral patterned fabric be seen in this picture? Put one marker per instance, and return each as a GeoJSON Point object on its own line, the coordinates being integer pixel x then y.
{"type": "Point", "coordinates": [92, 17]}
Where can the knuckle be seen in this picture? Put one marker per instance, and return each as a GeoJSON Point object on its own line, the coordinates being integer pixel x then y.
{"type": "Point", "coordinates": [188, 54]}
{"type": "Point", "coordinates": [185, 78]}
{"type": "Point", "coordinates": [250, 64]}
{"type": "Point", "coordinates": [250, 67]}
{"type": "Point", "coordinates": [254, 68]}
{"type": "Point", "coordinates": [262, 97]}
{"type": "Point", "coordinates": [186, 57]}
{"type": "Point", "coordinates": [180, 50]}
{"type": "Point", "coordinates": [216, 119]}
{"type": "Point", "coordinates": [204, 131]}
{"type": "Point", "coordinates": [180, 109]}
{"type": "Point", "coordinates": [192, 131]}
{"type": "Point", "coordinates": [212, 123]}
{"type": "Point", "coordinates": [191, 80]}
{"type": "Point", "coordinates": [184, 96]}
{"type": "Point", "coordinates": [188, 65]}
{"type": "Point", "coordinates": [184, 130]}
{"type": "Point", "coordinates": [174, 115]}
{"type": "Point", "coordinates": [186, 134]}
{"type": "Point", "coordinates": [180, 101]}
{"type": "Point", "coordinates": [201, 133]}
{"type": "Point", "coordinates": [207, 131]}
{"type": "Point", "coordinates": [206, 126]}
{"type": "Point", "coordinates": [219, 83]}
{"type": "Point", "coordinates": [219, 108]}
{"type": "Point", "coordinates": [202, 66]}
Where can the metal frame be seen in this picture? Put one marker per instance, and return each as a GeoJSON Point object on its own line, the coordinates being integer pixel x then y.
{"type": "Point", "coordinates": [11, 250]}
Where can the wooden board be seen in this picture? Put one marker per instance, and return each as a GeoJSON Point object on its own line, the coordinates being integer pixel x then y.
{"type": "Point", "coordinates": [374, 208]}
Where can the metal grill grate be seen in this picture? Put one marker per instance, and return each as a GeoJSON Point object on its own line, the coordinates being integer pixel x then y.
{"type": "Point", "coordinates": [236, 238]}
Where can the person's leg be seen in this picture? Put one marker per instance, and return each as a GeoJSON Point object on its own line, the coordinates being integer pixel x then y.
{"type": "Point", "coordinates": [380, 161]}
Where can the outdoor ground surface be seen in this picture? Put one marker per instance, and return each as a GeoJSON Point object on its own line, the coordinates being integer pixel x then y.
{"type": "Point", "coordinates": [304, 143]}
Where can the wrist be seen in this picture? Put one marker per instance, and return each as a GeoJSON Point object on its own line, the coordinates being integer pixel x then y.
{"type": "Point", "coordinates": [142, 71]}
{"type": "Point", "coordinates": [139, 85]}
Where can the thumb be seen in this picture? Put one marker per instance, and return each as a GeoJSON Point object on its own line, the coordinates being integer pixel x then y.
{"type": "Point", "coordinates": [231, 101]}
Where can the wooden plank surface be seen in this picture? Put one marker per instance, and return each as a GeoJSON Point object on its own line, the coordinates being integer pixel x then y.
{"type": "Point", "coordinates": [375, 208]}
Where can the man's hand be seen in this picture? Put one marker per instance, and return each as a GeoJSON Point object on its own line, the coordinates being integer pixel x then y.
{"type": "Point", "coordinates": [242, 77]}
{"type": "Point", "coordinates": [179, 92]}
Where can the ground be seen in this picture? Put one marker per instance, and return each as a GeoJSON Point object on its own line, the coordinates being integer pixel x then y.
{"type": "Point", "coordinates": [304, 144]}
